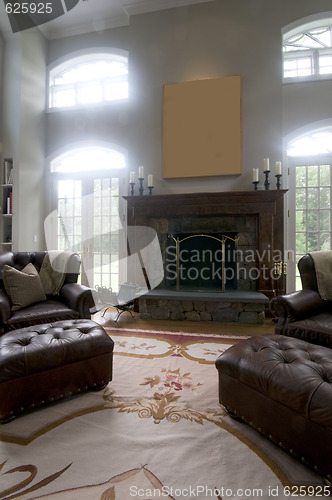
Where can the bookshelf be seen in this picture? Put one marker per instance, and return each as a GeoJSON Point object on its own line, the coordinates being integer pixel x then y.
{"type": "Point", "coordinates": [7, 205]}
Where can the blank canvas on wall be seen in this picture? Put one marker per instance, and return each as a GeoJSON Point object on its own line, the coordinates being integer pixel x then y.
{"type": "Point", "coordinates": [202, 128]}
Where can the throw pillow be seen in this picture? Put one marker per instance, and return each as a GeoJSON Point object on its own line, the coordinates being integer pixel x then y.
{"type": "Point", "coordinates": [23, 287]}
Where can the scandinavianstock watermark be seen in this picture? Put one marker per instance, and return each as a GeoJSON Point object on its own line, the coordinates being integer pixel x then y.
{"type": "Point", "coordinates": [208, 265]}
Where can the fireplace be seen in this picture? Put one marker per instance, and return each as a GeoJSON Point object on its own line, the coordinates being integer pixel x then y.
{"type": "Point", "coordinates": [233, 236]}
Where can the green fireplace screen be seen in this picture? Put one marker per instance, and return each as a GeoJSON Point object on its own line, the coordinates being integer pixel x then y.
{"type": "Point", "coordinates": [201, 262]}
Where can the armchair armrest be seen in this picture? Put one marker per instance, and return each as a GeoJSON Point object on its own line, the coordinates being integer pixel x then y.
{"type": "Point", "coordinates": [296, 306]}
{"type": "Point", "coordinates": [5, 309]}
{"type": "Point", "coordinates": [78, 297]}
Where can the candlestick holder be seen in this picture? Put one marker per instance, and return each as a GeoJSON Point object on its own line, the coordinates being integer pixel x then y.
{"type": "Point", "coordinates": [267, 182]}
{"type": "Point", "coordinates": [150, 189]}
{"type": "Point", "coordinates": [255, 185]}
{"type": "Point", "coordinates": [278, 176]}
{"type": "Point", "coordinates": [141, 189]}
{"type": "Point", "coordinates": [132, 184]}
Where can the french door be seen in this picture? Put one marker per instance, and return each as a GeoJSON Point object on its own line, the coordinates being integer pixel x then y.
{"type": "Point", "coordinates": [90, 213]}
{"type": "Point", "coordinates": [310, 221]}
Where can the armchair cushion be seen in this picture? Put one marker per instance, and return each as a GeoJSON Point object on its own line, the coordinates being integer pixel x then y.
{"type": "Point", "coordinates": [74, 300]}
{"type": "Point", "coordinates": [23, 287]}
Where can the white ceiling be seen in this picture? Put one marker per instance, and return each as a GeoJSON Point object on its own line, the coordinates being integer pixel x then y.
{"type": "Point", "coordinates": [95, 15]}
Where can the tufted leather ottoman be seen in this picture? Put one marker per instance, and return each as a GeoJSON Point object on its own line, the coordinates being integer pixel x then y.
{"type": "Point", "coordinates": [44, 363]}
{"type": "Point", "coordinates": [282, 387]}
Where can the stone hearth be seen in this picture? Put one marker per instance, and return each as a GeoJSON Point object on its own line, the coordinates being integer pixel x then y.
{"type": "Point", "coordinates": [235, 307]}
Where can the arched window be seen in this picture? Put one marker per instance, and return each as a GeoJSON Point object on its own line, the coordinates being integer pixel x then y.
{"type": "Point", "coordinates": [88, 78]}
{"type": "Point", "coordinates": [307, 50]}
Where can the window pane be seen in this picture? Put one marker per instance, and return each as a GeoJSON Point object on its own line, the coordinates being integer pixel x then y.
{"type": "Point", "coordinates": [324, 175]}
{"type": "Point", "coordinates": [312, 175]}
{"type": "Point", "coordinates": [64, 98]}
{"type": "Point", "coordinates": [312, 242]}
{"type": "Point", "coordinates": [324, 220]}
{"type": "Point", "coordinates": [325, 65]}
{"type": "Point", "coordinates": [300, 220]}
{"type": "Point", "coordinates": [87, 159]}
{"type": "Point", "coordinates": [301, 244]}
{"type": "Point", "coordinates": [89, 94]}
{"type": "Point", "coordinates": [301, 176]}
{"type": "Point", "coordinates": [325, 241]}
{"type": "Point", "coordinates": [312, 220]}
{"type": "Point", "coordinates": [324, 197]}
{"type": "Point", "coordinates": [89, 79]}
{"type": "Point", "coordinates": [312, 198]}
{"type": "Point", "coordinates": [301, 198]}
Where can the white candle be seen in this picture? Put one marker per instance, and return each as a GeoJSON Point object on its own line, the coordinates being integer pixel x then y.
{"type": "Point", "coordinates": [266, 164]}
{"type": "Point", "coordinates": [255, 175]}
{"type": "Point", "coordinates": [132, 177]}
{"type": "Point", "coordinates": [150, 180]}
{"type": "Point", "coordinates": [278, 168]}
{"type": "Point", "coordinates": [141, 172]}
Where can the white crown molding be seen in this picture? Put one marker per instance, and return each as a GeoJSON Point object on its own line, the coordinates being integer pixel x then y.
{"type": "Point", "coordinates": [144, 6]}
{"type": "Point", "coordinates": [100, 25]}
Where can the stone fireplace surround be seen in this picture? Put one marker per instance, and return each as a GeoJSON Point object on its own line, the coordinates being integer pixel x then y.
{"type": "Point", "coordinates": [257, 217]}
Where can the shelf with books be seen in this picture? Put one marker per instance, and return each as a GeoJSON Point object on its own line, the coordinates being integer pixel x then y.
{"type": "Point", "coordinates": [7, 205]}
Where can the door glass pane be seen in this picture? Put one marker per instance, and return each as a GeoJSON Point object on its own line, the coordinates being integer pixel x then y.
{"type": "Point", "coordinates": [106, 226]}
{"type": "Point", "coordinates": [312, 198]}
{"type": "Point", "coordinates": [325, 241]}
{"type": "Point", "coordinates": [313, 209]}
{"type": "Point", "coordinates": [301, 195]}
{"type": "Point", "coordinates": [301, 173]}
{"type": "Point", "coordinates": [312, 175]}
{"type": "Point", "coordinates": [69, 214]}
{"type": "Point", "coordinates": [325, 175]}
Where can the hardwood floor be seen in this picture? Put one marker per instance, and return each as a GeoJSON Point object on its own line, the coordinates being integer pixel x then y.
{"type": "Point", "coordinates": [126, 322]}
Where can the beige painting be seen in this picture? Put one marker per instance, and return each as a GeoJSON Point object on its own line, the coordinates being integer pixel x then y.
{"type": "Point", "coordinates": [202, 128]}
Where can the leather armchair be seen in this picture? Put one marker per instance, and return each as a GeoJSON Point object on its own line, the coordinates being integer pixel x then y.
{"type": "Point", "coordinates": [74, 300]}
{"type": "Point", "coordinates": [304, 314]}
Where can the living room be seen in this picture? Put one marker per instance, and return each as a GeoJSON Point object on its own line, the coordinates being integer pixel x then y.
{"type": "Point", "coordinates": [161, 46]}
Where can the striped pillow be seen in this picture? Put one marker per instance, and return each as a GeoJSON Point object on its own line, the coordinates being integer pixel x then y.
{"type": "Point", "coordinates": [23, 287]}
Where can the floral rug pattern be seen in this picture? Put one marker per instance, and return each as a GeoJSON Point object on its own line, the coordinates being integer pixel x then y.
{"type": "Point", "coordinates": [156, 430]}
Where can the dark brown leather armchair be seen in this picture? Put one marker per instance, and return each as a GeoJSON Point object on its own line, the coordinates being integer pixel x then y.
{"type": "Point", "coordinates": [304, 314]}
{"type": "Point", "coordinates": [73, 301]}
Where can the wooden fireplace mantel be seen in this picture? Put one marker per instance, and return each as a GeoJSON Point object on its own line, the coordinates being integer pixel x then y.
{"type": "Point", "coordinates": [267, 206]}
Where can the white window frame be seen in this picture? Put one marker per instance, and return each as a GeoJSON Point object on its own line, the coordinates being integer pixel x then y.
{"type": "Point", "coordinates": [75, 59]}
{"type": "Point", "coordinates": [301, 26]}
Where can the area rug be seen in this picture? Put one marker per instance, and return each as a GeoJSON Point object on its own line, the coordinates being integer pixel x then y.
{"type": "Point", "coordinates": [156, 431]}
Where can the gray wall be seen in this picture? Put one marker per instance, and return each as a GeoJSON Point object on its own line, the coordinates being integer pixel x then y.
{"type": "Point", "coordinates": [215, 39]}
{"type": "Point", "coordinates": [221, 38]}
{"type": "Point", "coordinates": [24, 134]}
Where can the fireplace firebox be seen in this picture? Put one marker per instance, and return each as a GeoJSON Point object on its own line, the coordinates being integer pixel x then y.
{"type": "Point", "coordinates": [201, 262]}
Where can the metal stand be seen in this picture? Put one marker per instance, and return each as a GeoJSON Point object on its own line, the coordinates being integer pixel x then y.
{"type": "Point", "coordinates": [141, 189]}
{"type": "Point", "coordinates": [267, 182]}
{"type": "Point", "coordinates": [278, 176]}
{"type": "Point", "coordinates": [132, 184]}
{"type": "Point", "coordinates": [255, 185]}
